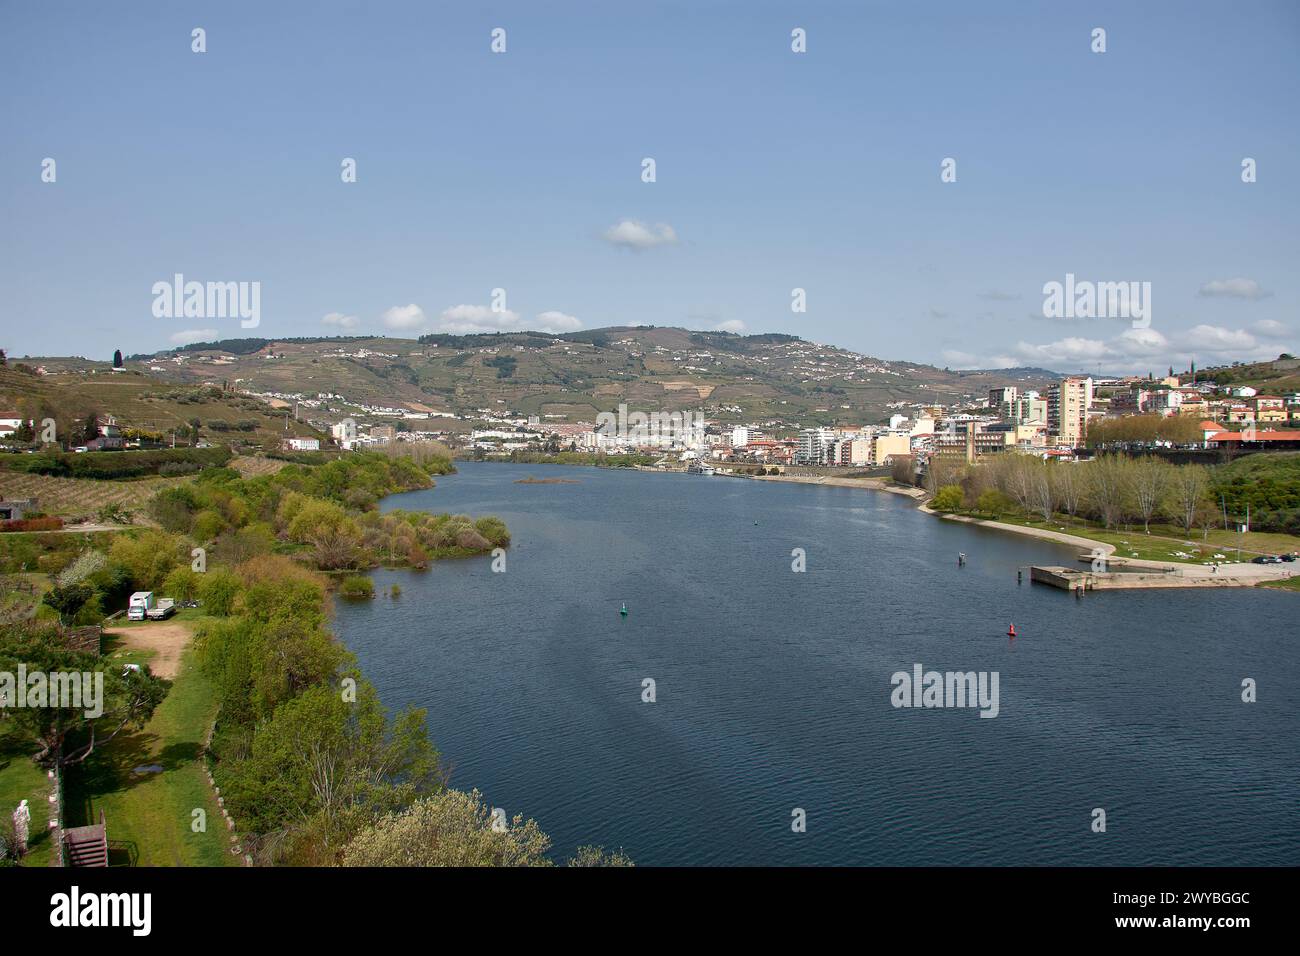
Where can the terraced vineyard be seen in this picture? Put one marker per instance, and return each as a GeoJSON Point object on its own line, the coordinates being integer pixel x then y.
{"type": "Point", "coordinates": [76, 498]}
{"type": "Point", "coordinates": [251, 467]}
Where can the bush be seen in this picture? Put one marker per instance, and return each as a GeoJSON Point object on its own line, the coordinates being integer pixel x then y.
{"type": "Point", "coordinates": [494, 530]}
{"type": "Point", "coordinates": [994, 502]}
{"type": "Point", "coordinates": [207, 525]}
{"type": "Point", "coordinates": [948, 498]}
{"type": "Point", "coordinates": [31, 524]}
{"type": "Point", "coordinates": [357, 588]}
{"type": "Point", "coordinates": [182, 584]}
{"type": "Point", "coordinates": [218, 592]}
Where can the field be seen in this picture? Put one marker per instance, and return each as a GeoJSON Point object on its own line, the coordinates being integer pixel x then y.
{"type": "Point", "coordinates": [251, 467]}
{"type": "Point", "coordinates": [81, 498]}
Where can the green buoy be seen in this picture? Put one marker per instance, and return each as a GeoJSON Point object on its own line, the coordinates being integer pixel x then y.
{"type": "Point", "coordinates": [623, 610]}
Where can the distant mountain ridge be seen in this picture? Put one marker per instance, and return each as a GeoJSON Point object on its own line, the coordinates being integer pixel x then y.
{"type": "Point", "coordinates": [765, 377]}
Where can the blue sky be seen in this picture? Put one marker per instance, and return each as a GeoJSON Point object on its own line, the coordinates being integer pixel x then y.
{"type": "Point", "coordinates": [775, 170]}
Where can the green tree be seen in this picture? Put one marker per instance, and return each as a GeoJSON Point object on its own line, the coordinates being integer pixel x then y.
{"type": "Point", "coordinates": [947, 498]}
{"type": "Point", "coordinates": [68, 600]}
{"type": "Point", "coordinates": [67, 735]}
{"type": "Point", "coordinates": [451, 828]}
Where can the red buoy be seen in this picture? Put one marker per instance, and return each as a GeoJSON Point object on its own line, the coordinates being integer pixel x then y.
{"type": "Point", "coordinates": [1011, 631]}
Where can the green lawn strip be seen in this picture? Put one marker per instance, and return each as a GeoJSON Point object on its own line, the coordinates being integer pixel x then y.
{"type": "Point", "coordinates": [149, 815]}
{"type": "Point", "coordinates": [21, 779]}
{"type": "Point", "coordinates": [1284, 584]}
{"type": "Point", "coordinates": [1159, 546]}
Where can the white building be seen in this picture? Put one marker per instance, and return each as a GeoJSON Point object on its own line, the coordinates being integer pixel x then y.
{"type": "Point", "coordinates": [345, 433]}
{"type": "Point", "coordinates": [814, 444]}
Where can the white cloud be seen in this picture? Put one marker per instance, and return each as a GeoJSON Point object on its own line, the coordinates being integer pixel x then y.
{"type": "Point", "coordinates": [1138, 350]}
{"type": "Point", "coordinates": [340, 320]}
{"type": "Point", "coordinates": [553, 321]}
{"type": "Point", "coordinates": [1233, 289]}
{"type": "Point", "coordinates": [190, 336]}
{"type": "Point", "coordinates": [730, 325]}
{"type": "Point", "coordinates": [1269, 328]}
{"type": "Point", "coordinates": [953, 358]}
{"type": "Point", "coordinates": [404, 317]}
{"type": "Point", "coordinates": [1215, 338]}
{"type": "Point", "coordinates": [634, 234]}
{"type": "Point", "coordinates": [470, 319]}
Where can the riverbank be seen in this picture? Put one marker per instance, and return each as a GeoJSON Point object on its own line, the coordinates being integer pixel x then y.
{"type": "Point", "coordinates": [1170, 573]}
{"type": "Point", "coordinates": [873, 484]}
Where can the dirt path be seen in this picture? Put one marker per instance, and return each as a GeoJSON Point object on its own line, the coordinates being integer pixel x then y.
{"type": "Point", "coordinates": [167, 641]}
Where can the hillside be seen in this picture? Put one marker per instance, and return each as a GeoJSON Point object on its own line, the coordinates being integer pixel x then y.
{"type": "Point", "coordinates": [73, 389]}
{"type": "Point", "coordinates": [1278, 376]}
{"type": "Point", "coordinates": [755, 378]}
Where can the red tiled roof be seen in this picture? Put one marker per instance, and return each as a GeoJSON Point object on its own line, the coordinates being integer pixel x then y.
{"type": "Point", "coordinates": [1258, 436]}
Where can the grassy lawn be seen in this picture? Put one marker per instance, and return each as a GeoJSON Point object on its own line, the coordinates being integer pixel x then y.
{"type": "Point", "coordinates": [1285, 584]}
{"type": "Point", "coordinates": [149, 814]}
{"type": "Point", "coordinates": [21, 779]}
{"type": "Point", "coordinates": [1165, 543]}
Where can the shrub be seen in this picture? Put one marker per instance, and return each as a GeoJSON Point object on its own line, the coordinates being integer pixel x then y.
{"type": "Point", "coordinates": [31, 524]}
{"type": "Point", "coordinates": [494, 530]}
{"type": "Point", "coordinates": [357, 588]}
{"type": "Point", "coordinates": [182, 584]}
{"type": "Point", "coordinates": [947, 498]}
{"type": "Point", "coordinates": [148, 556]}
{"type": "Point", "coordinates": [218, 592]}
{"type": "Point", "coordinates": [207, 525]}
{"type": "Point", "coordinates": [994, 502]}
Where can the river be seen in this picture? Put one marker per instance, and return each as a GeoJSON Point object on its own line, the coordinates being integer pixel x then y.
{"type": "Point", "coordinates": [773, 688]}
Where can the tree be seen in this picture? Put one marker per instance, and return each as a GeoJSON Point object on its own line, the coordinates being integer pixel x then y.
{"type": "Point", "coordinates": [1069, 485]}
{"type": "Point", "coordinates": [67, 735]}
{"type": "Point", "coordinates": [117, 358]}
{"type": "Point", "coordinates": [1108, 487]}
{"type": "Point", "coordinates": [451, 828]}
{"type": "Point", "coordinates": [68, 600]}
{"type": "Point", "coordinates": [1190, 493]}
{"type": "Point", "coordinates": [1150, 481]}
{"type": "Point", "coordinates": [947, 498]}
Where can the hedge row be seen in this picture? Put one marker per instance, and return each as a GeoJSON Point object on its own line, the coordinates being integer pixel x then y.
{"type": "Point", "coordinates": [110, 465]}
{"type": "Point", "coordinates": [31, 524]}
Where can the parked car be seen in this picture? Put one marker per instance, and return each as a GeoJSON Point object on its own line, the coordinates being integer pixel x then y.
{"type": "Point", "coordinates": [1286, 557]}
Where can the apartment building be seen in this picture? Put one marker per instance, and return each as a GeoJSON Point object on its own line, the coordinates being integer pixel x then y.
{"type": "Point", "coordinates": [1002, 401]}
{"type": "Point", "coordinates": [1068, 402]}
{"type": "Point", "coordinates": [814, 446]}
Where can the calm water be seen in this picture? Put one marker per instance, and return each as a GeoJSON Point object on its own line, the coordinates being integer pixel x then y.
{"type": "Point", "coordinates": [773, 687]}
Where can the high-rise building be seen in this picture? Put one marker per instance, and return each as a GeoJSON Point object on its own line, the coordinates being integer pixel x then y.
{"type": "Point", "coordinates": [1029, 408]}
{"type": "Point", "coordinates": [814, 444]}
{"type": "Point", "coordinates": [1003, 400]}
{"type": "Point", "coordinates": [1067, 409]}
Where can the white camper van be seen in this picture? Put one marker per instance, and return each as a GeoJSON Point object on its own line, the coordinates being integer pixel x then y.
{"type": "Point", "coordinates": [141, 603]}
